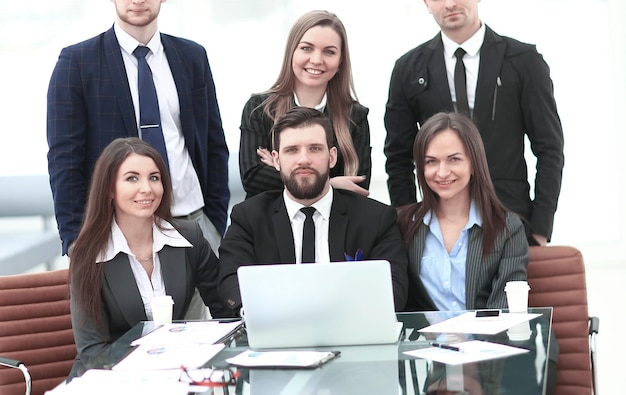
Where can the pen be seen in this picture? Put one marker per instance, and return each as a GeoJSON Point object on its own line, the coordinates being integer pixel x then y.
{"type": "Point", "coordinates": [445, 346]}
{"type": "Point", "coordinates": [331, 355]}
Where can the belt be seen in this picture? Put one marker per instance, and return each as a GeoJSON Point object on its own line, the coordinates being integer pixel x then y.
{"type": "Point", "coordinates": [190, 215]}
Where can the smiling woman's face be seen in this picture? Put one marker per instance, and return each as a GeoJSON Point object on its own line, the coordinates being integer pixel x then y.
{"type": "Point", "coordinates": [317, 57]}
{"type": "Point", "coordinates": [138, 188]}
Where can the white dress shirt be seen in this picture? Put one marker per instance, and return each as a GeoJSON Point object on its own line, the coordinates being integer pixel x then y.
{"type": "Point", "coordinates": [185, 184]}
{"type": "Point", "coordinates": [148, 287]}
{"type": "Point", "coordinates": [471, 60]}
{"type": "Point", "coordinates": [321, 220]}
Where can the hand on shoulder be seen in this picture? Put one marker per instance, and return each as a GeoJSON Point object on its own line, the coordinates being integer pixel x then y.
{"type": "Point", "coordinates": [349, 183]}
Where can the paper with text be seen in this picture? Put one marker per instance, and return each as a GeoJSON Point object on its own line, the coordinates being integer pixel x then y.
{"type": "Point", "coordinates": [468, 323]}
{"type": "Point", "coordinates": [201, 332]}
{"type": "Point", "coordinates": [472, 351]}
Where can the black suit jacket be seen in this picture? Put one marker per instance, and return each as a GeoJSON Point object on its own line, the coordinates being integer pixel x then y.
{"type": "Point", "coordinates": [183, 270]}
{"type": "Point", "coordinates": [260, 233]}
{"type": "Point", "coordinates": [89, 105]}
{"type": "Point", "coordinates": [514, 98]}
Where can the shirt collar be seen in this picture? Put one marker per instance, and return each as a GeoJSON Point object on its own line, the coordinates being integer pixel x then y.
{"type": "Point", "coordinates": [474, 217]}
{"type": "Point", "coordinates": [161, 237]}
{"type": "Point", "coordinates": [128, 42]}
{"type": "Point", "coordinates": [319, 107]}
{"type": "Point", "coordinates": [322, 206]}
{"type": "Point", "coordinates": [471, 45]}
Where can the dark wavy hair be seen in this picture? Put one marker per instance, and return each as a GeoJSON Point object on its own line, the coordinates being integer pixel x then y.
{"type": "Point", "coordinates": [301, 117]}
{"type": "Point", "coordinates": [481, 189]}
{"type": "Point", "coordinates": [95, 231]}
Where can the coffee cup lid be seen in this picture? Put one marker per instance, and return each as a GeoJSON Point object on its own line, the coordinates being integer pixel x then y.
{"type": "Point", "coordinates": [516, 285]}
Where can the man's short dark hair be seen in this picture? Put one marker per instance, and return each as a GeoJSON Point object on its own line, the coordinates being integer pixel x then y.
{"type": "Point", "coordinates": [301, 117]}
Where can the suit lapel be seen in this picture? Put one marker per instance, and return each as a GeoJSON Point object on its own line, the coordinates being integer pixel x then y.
{"type": "Point", "coordinates": [338, 223]}
{"type": "Point", "coordinates": [119, 80]}
{"type": "Point", "coordinates": [491, 58]}
{"type": "Point", "coordinates": [174, 272]}
{"type": "Point", "coordinates": [437, 70]}
{"type": "Point", "coordinates": [416, 251]}
{"type": "Point", "coordinates": [473, 266]}
{"type": "Point", "coordinates": [283, 232]}
{"type": "Point", "coordinates": [119, 278]}
{"type": "Point", "coordinates": [181, 80]}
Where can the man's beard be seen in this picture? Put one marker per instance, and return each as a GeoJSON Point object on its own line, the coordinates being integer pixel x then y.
{"type": "Point", "coordinates": [305, 190]}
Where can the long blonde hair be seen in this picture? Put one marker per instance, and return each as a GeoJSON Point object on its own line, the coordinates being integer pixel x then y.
{"type": "Point", "coordinates": [340, 90]}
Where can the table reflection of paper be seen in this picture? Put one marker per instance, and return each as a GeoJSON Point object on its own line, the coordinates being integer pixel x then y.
{"type": "Point", "coordinates": [106, 382]}
{"type": "Point", "coordinates": [472, 351]}
{"type": "Point", "coordinates": [173, 356]}
{"type": "Point", "coordinates": [468, 323]}
{"type": "Point", "coordinates": [189, 333]}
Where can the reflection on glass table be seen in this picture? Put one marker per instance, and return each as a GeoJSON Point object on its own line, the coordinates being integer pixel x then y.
{"type": "Point", "coordinates": [387, 369]}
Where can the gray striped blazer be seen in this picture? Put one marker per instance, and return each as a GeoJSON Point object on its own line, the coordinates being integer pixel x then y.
{"type": "Point", "coordinates": [485, 277]}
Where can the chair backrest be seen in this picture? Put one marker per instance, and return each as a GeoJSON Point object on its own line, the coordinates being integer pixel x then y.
{"type": "Point", "coordinates": [36, 328]}
{"type": "Point", "coordinates": [556, 276]}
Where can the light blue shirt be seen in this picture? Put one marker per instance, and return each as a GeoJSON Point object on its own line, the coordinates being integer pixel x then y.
{"type": "Point", "coordinates": [443, 273]}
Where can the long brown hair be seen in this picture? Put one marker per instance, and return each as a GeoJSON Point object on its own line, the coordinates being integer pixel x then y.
{"type": "Point", "coordinates": [95, 231]}
{"type": "Point", "coordinates": [481, 189]}
{"type": "Point", "coordinates": [340, 90]}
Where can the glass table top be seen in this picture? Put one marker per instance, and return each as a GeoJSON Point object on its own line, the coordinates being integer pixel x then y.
{"type": "Point", "coordinates": [387, 369]}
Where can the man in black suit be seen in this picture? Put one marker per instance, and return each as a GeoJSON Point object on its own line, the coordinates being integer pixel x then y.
{"type": "Point", "coordinates": [509, 93]}
{"type": "Point", "coordinates": [268, 228]}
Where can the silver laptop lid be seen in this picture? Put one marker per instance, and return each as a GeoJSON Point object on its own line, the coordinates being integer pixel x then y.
{"type": "Point", "coordinates": [321, 304]}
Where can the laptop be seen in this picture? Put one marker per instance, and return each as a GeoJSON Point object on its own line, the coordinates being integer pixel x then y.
{"type": "Point", "coordinates": [320, 304]}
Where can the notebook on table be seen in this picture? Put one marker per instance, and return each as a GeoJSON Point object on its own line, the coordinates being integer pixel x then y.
{"type": "Point", "coordinates": [321, 304]}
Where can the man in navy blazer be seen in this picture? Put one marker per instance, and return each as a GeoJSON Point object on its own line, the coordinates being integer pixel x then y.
{"type": "Point", "coordinates": [268, 228]}
{"type": "Point", "coordinates": [93, 99]}
{"type": "Point", "coordinates": [510, 95]}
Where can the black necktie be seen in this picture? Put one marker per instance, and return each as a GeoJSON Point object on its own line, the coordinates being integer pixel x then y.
{"type": "Point", "coordinates": [459, 83]}
{"type": "Point", "coordinates": [149, 116]}
{"type": "Point", "coordinates": [308, 236]}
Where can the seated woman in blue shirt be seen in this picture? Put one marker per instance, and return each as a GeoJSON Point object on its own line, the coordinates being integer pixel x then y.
{"type": "Point", "coordinates": [464, 245]}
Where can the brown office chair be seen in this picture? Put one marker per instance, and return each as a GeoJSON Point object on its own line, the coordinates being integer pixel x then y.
{"type": "Point", "coordinates": [36, 329]}
{"type": "Point", "coordinates": [556, 276]}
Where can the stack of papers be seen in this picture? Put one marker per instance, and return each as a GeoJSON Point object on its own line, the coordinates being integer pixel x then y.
{"type": "Point", "coordinates": [466, 352]}
{"type": "Point", "coordinates": [282, 359]}
{"type": "Point", "coordinates": [468, 323]}
{"type": "Point", "coordinates": [154, 366]}
{"type": "Point", "coordinates": [147, 357]}
{"type": "Point", "coordinates": [209, 332]}
{"type": "Point", "coordinates": [174, 345]}
{"type": "Point", "coordinates": [107, 382]}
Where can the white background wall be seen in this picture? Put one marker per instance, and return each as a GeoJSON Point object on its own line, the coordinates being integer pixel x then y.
{"type": "Point", "coordinates": [583, 41]}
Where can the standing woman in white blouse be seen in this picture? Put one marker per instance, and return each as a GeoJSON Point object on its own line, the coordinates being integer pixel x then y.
{"type": "Point", "coordinates": [130, 250]}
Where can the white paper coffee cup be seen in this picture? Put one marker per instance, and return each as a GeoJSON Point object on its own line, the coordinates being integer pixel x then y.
{"type": "Point", "coordinates": [517, 296]}
{"type": "Point", "coordinates": [162, 308]}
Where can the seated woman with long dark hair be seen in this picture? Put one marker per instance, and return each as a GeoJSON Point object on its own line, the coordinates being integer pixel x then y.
{"type": "Point", "coordinates": [129, 250]}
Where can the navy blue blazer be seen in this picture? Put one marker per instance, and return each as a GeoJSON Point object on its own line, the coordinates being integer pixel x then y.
{"type": "Point", "coordinates": [90, 105]}
{"type": "Point", "coordinates": [260, 233]}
